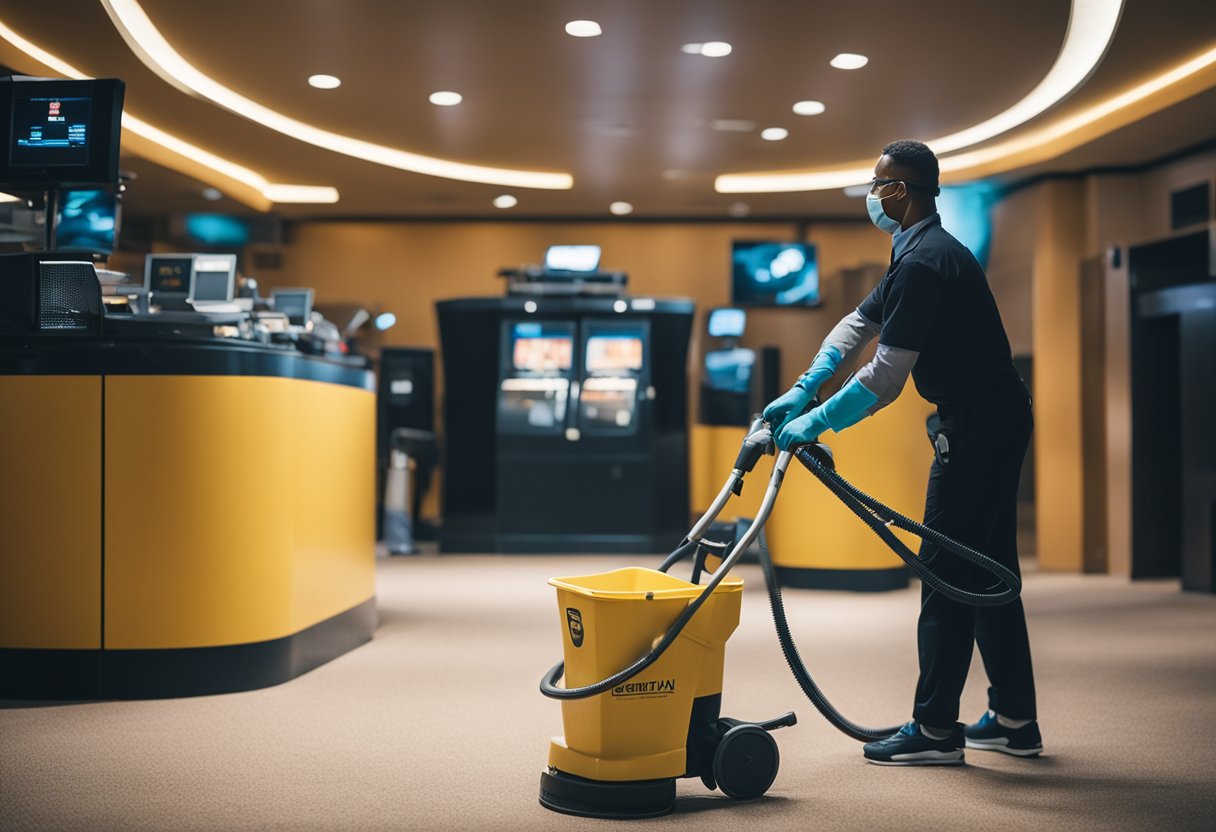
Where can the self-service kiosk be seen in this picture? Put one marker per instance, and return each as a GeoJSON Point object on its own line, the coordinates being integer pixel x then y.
{"type": "Point", "coordinates": [581, 404]}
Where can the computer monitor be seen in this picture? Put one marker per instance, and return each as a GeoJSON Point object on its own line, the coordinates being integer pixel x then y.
{"type": "Point", "coordinates": [296, 304]}
{"type": "Point", "coordinates": [213, 279]}
{"type": "Point", "coordinates": [88, 221]}
{"type": "Point", "coordinates": [727, 322]}
{"type": "Point", "coordinates": [59, 133]}
{"type": "Point", "coordinates": [167, 279]}
{"type": "Point", "coordinates": [572, 258]}
{"type": "Point", "coordinates": [774, 274]}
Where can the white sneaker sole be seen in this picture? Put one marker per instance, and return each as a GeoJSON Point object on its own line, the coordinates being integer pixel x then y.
{"type": "Point", "coordinates": [923, 758]}
{"type": "Point", "coordinates": [1002, 745]}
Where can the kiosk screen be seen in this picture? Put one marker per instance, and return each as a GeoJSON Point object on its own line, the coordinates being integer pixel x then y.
{"type": "Point", "coordinates": [614, 360]}
{"type": "Point", "coordinates": [535, 387]}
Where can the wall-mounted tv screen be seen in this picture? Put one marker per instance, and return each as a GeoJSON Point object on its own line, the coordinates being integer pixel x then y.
{"type": "Point", "coordinates": [58, 133]}
{"type": "Point", "coordinates": [538, 349]}
{"type": "Point", "coordinates": [774, 274]}
{"type": "Point", "coordinates": [88, 221]}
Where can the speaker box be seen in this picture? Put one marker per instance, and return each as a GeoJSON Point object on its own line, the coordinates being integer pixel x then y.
{"type": "Point", "coordinates": [48, 293]}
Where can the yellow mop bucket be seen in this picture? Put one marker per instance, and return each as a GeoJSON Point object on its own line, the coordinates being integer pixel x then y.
{"type": "Point", "coordinates": [637, 730]}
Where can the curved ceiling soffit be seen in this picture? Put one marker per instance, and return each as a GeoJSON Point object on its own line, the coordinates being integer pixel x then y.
{"type": "Point", "coordinates": [1091, 29]}
{"type": "Point", "coordinates": [151, 47]}
{"type": "Point", "coordinates": [159, 146]}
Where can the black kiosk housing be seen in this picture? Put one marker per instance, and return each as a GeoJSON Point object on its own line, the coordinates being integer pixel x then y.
{"type": "Point", "coordinates": [565, 423]}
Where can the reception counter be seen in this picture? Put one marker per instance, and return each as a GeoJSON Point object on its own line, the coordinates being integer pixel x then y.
{"type": "Point", "coordinates": [180, 516]}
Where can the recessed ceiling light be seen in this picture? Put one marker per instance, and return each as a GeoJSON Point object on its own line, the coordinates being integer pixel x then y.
{"type": "Point", "coordinates": [446, 99]}
{"type": "Point", "coordinates": [212, 194]}
{"type": "Point", "coordinates": [505, 201]}
{"type": "Point", "coordinates": [584, 29]}
{"type": "Point", "coordinates": [809, 108]}
{"type": "Point", "coordinates": [621, 208]}
{"type": "Point", "coordinates": [739, 209]}
{"type": "Point", "coordinates": [733, 125]}
{"type": "Point", "coordinates": [692, 48]}
{"type": "Point", "coordinates": [774, 134]}
{"type": "Point", "coordinates": [324, 82]}
{"type": "Point", "coordinates": [715, 49]}
{"type": "Point", "coordinates": [847, 60]}
{"type": "Point", "coordinates": [9, 198]}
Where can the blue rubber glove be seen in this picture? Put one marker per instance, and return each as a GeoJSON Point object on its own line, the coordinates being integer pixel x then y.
{"type": "Point", "coordinates": [848, 407]}
{"type": "Point", "coordinates": [789, 406]}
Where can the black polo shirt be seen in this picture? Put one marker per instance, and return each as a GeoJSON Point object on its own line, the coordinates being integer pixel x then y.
{"type": "Point", "coordinates": [935, 300]}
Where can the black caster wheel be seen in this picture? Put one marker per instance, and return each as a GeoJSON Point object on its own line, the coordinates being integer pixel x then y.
{"type": "Point", "coordinates": [746, 762]}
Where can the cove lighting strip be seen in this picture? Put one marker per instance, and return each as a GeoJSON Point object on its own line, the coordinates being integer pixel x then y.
{"type": "Point", "coordinates": [1091, 28]}
{"type": "Point", "coordinates": [270, 191]}
{"type": "Point", "coordinates": [146, 41]}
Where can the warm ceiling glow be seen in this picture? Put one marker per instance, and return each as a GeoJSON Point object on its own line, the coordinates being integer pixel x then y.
{"type": "Point", "coordinates": [138, 127]}
{"type": "Point", "coordinates": [847, 60]}
{"type": "Point", "coordinates": [621, 208]}
{"type": "Point", "coordinates": [715, 49]}
{"type": "Point", "coordinates": [301, 193]}
{"type": "Point", "coordinates": [9, 198]}
{"type": "Point", "coordinates": [151, 47]}
{"type": "Point", "coordinates": [584, 29]}
{"type": "Point", "coordinates": [1091, 28]}
{"type": "Point", "coordinates": [446, 99]}
{"type": "Point", "coordinates": [809, 108]}
{"type": "Point", "coordinates": [324, 82]}
{"type": "Point", "coordinates": [505, 201]}
{"type": "Point", "coordinates": [774, 134]}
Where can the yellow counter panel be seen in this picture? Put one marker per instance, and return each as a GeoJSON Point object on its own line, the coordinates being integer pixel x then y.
{"type": "Point", "coordinates": [180, 517]}
{"type": "Point", "coordinates": [241, 489]}
{"type": "Point", "coordinates": [50, 512]}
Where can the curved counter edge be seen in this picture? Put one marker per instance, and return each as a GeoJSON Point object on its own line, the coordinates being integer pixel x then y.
{"type": "Point", "coordinates": [193, 671]}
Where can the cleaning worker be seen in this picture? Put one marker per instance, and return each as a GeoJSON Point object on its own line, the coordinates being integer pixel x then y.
{"type": "Point", "coordinates": [936, 319]}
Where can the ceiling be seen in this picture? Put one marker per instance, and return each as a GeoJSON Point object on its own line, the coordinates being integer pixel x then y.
{"type": "Point", "coordinates": [627, 113]}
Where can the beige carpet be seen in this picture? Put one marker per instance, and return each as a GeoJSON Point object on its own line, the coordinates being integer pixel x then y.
{"type": "Point", "coordinates": [437, 724]}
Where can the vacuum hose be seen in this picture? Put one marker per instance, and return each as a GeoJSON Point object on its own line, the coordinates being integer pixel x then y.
{"type": "Point", "coordinates": [874, 514]}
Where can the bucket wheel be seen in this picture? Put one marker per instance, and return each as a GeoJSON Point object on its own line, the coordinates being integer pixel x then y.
{"type": "Point", "coordinates": [745, 762]}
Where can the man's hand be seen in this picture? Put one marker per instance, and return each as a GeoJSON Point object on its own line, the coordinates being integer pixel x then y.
{"type": "Point", "coordinates": [804, 429]}
{"type": "Point", "coordinates": [787, 406]}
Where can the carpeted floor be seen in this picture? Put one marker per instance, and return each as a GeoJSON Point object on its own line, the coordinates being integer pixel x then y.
{"type": "Point", "coordinates": [437, 724]}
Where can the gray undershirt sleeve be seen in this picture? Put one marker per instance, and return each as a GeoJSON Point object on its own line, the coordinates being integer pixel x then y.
{"type": "Point", "coordinates": [887, 373]}
{"type": "Point", "coordinates": [851, 336]}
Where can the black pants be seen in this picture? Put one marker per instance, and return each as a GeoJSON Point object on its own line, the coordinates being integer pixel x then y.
{"type": "Point", "coordinates": [972, 498]}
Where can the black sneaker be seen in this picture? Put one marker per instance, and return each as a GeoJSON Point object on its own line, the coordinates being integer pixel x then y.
{"type": "Point", "coordinates": [990, 735]}
{"type": "Point", "coordinates": [910, 747]}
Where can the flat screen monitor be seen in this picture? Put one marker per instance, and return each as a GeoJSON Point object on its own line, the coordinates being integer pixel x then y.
{"type": "Point", "coordinates": [213, 279]}
{"type": "Point", "coordinates": [540, 350]}
{"type": "Point", "coordinates": [58, 133]}
{"type": "Point", "coordinates": [614, 354]}
{"type": "Point", "coordinates": [572, 258]}
{"type": "Point", "coordinates": [730, 370]}
{"type": "Point", "coordinates": [168, 274]}
{"type": "Point", "coordinates": [727, 323]}
{"type": "Point", "coordinates": [296, 304]}
{"type": "Point", "coordinates": [774, 274]}
{"type": "Point", "coordinates": [87, 221]}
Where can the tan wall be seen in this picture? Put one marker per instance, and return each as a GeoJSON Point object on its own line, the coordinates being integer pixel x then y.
{"type": "Point", "coordinates": [1041, 234]}
{"type": "Point", "coordinates": [405, 267]}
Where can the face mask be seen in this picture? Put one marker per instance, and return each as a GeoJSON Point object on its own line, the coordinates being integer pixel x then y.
{"type": "Point", "coordinates": [878, 216]}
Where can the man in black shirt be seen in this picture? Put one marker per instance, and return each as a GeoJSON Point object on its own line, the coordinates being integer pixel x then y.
{"type": "Point", "coordinates": [936, 320]}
